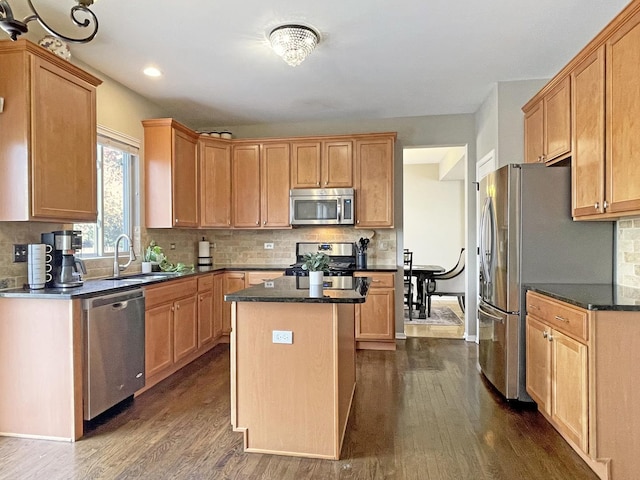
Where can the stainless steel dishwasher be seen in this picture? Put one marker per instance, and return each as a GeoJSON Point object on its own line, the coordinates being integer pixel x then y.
{"type": "Point", "coordinates": [114, 349]}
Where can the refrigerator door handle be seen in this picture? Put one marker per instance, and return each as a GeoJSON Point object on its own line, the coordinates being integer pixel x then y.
{"type": "Point", "coordinates": [486, 236]}
{"type": "Point", "coordinates": [495, 317]}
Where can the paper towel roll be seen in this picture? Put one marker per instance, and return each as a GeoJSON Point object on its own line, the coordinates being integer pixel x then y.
{"type": "Point", "coordinates": [203, 249]}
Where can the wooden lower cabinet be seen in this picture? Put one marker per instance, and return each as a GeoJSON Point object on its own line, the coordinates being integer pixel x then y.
{"type": "Point", "coordinates": [580, 367]}
{"type": "Point", "coordinates": [179, 325]}
{"type": "Point", "coordinates": [205, 310]}
{"type": "Point", "coordinates": [185, 327]}
{"type": "Point", "coordinates": [218, 304]}
{"type": "Point", "coordinates": [232, 282]}
{"type": "Point", "coordinates": [256, 278]}
{"type": "Point", "coordinates": [375, 319]}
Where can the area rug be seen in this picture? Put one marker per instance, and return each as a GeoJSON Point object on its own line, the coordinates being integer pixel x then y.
{"type": "Point", "coordinates": [440, 315]}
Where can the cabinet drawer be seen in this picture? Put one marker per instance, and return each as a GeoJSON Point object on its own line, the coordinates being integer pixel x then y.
{"type": "Point", "coordinates": [378, 280]}
{"type": "Point", "coordinates": [258, 277]}
{"type": "Point", "coordinates": [565, 318]}
{"type": "Point", "coordinates": [205, 282]}
{"type": "Point", "coordinates": [169, 292]}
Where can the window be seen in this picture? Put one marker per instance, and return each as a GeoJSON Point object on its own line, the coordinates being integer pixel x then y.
{"type": "Point", "coordinates": [117, 159]}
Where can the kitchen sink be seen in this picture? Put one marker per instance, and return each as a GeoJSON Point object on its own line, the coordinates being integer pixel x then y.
{"type": "Point", "coordinates": [143, 277]}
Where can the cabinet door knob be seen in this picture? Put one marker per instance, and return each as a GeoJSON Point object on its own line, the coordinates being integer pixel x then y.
{"type": "Point", "coordinates": [550, 338]}
{"type": "Point", "coordinates": [257, 222]}
{"type": "Point", "coordinates": [605, 204]}
{"type": "Point", "coordinates": [264, 222]}
{"type": "Point", "coordinates": [176, 220]}
{"type": "Point", "coordinates": [545, 334]}
{"type": "Point", "coordinates": [178, 306]}
{"type": "Point", "coordinates": [597, 205]}
{"type": "Point", "coordinates": [318, 184]}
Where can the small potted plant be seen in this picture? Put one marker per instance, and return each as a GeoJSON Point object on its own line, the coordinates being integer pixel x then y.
{"type": "Point", "coordinates": [153, 256]}
{"type": "Point", "coordinates": [317, 264]}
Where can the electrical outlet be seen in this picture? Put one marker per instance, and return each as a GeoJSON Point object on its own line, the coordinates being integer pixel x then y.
{"type": "Point", "coordinates": [172, 246]}
{"type": "Point", "coordinates": [283, 336]}
{"type": "Point", "coordinates": [268, 246]}
{"type": "Point", "coordinates": [384, 246]}
{"type": "Point", "coordinates": [268, 284]}
{"type": "Point", "coordinates": [19, 253]}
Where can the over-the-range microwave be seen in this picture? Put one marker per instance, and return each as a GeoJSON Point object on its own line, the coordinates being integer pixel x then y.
{"type": "Point", "coordinates": [322, 206]}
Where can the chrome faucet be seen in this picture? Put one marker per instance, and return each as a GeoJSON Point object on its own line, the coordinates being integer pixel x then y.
{"type": "Point", "coordinates": [117, 268]}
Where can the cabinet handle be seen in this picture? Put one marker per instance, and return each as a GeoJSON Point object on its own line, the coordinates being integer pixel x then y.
{"type": "Point", "coordinates": [562, 319]}
{"type": "Point", "coordinates": [264, 222]}
{"type": "Point", "coordinates": [533, 307]}
{"type": "Point", "coordinates": [173, 309]}
{"type": "Point", "coordinates": [257, 222]}
{"type": "Point", "coordinates": [605, 204]}
{"type": "Point", "coordinates": [597, 205]}
{"type": "Point", "coordinates": [178, 306]}
{"type": "Point", "coordinates": [326, 183]}
{"type": "Point", "coordinates": [545, 334]}
{"type": "Point", "coordinates": [550, 338]}
{"type": "Point", "coordinates": [318, 184]}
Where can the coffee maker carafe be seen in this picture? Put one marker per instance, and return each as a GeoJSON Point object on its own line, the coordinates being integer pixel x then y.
{"type": "Point", "coordinates": [66, 269]}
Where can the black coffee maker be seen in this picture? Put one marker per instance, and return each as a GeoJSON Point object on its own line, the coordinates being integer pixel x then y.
{"type": "Point", "coordinates": [66, 269]}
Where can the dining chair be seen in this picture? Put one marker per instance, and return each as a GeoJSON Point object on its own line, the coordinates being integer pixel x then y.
{"type": "Point", "coordinates": [408, 284]}
{"type": "Point", "coordinates": [447, 284]}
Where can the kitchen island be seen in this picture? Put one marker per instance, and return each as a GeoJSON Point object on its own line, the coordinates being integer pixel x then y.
{"type": "Point", "coordinates": [293, 369]}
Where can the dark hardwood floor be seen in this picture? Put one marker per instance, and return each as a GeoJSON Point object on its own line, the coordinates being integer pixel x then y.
{"type": "Point", "coordinates": [422, 412]}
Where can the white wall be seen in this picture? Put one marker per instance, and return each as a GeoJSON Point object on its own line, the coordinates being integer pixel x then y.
{"type": "Point", "coordinates": [500, 121]}
{"type": "Point", "coordinates": [433, 216]}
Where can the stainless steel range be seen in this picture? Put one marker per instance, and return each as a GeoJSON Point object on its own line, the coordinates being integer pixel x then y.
{"type": "Point", "coordinates": [342, 258]}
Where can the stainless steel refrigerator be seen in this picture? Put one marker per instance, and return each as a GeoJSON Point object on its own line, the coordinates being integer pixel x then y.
{"type": "Point", "coordinates": [527, 236]}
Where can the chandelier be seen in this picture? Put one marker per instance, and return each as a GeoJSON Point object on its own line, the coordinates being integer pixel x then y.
{"type": "Point", "coordinates": [293, 42]}
{"type": "Point", "coordinates": [14, 27]}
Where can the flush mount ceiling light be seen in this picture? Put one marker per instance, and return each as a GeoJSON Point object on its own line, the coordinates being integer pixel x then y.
{"type": "Point", "coordinates": [152, 72]}
{"type": "Point", "coordinates": [293, 42]}
{"type": "Point", "coordinates": [80, 15]}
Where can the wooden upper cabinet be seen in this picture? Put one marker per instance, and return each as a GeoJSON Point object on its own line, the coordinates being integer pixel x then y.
{"type": "Point", "coordinates": [215, 183]}
{"type": "Point", "coordinates": [557, 121]}
{"type": "Point", "coordinates": [622, 117]}
{"type": "Point", "coordinates": [547, 125]}
{"type": "Point", "coordinates": [171, 174]}
{"type": "Point", "coordinates": [305, 164]}
{"type": "Point", "coordinates": [274, 202]}
{"type": "Point", "coordinates": [588, 116]}
{"type": "Point", "coordinates": [534, 133]}
{"type": "Point", "coordinates": [322, 164]}
{"type": "Point", "coordinates": [246, 186]}
{"type": "Point", "coordinates": [261, 185]}
{"type": "Point", "coordinates": [374, 182]}
{"type": "Point", "coordinates": [47, 137]}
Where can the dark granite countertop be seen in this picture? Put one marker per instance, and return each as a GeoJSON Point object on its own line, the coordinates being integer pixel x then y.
{"type": "Point", "coordinates": [95, 287]}
{"type": "Point", "coordinates": [297, 290]}
{"type": "Point", "coordinates": [592, 296]}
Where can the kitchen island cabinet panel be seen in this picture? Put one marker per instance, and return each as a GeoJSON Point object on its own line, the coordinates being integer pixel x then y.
{"type": "Point", "coordinates": [48, 137]}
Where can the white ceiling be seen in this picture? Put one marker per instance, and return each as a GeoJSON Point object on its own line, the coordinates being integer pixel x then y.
{"type": "Point", "coordinates": [376, 59]}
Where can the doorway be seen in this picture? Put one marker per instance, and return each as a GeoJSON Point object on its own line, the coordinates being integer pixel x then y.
{"type": "Point", "coordinates": [434, 228]}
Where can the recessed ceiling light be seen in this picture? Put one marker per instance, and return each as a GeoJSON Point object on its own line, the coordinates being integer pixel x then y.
{"type": "Point", "coordinates": [152, 72]}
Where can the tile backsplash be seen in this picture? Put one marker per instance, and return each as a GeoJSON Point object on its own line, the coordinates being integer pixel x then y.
{"type": "Point", "coordinates": [628, 255]}
{"type": "Point", "coordinates": [242, 247]}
